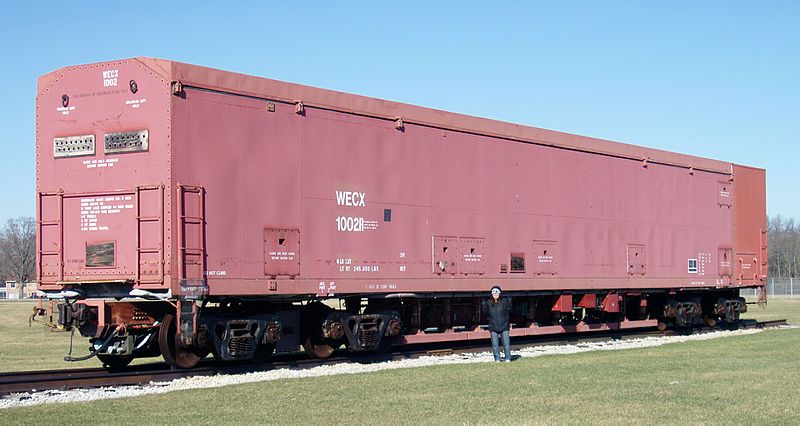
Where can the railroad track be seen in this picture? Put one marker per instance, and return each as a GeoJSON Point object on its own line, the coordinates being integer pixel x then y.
{"type": "Point", "coordinates": [29, 381]}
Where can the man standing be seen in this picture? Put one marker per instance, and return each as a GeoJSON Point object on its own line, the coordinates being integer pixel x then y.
{"type": "Point", "coordinates": [498, 308]}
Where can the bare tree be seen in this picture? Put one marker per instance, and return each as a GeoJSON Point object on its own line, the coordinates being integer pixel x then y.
{"type": "Point", "coordinates": [784, 247]}
{"type": "Point", "coordinates": [18, 251]}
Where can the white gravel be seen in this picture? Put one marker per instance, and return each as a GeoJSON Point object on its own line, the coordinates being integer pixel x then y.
{"type": "Point", "coordinates": [50, 397]}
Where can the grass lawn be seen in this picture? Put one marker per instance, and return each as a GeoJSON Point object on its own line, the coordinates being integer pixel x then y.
{"type": "Point", "coordinates": [35, 347]}
{"type": "Point", "coordinates": [746, 379]}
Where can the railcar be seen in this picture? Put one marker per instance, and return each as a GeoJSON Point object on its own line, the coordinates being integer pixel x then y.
{"type": "Point", "coordinates": [184, 210]}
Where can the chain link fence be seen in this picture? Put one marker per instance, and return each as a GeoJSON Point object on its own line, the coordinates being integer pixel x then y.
{"type": "Point", "coordinates": [777, 287]}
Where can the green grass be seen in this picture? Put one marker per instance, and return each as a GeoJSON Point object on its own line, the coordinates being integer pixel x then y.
{"type": "Point", "coordinates": [776, 308]}
{"type": "Point", "coordinates": [746, 379]}
{"type": "Point", "coordinates": [36, 347]}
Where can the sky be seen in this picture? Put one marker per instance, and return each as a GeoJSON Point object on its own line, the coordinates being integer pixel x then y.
{"type": "Point", "coordinates": [717, 79]}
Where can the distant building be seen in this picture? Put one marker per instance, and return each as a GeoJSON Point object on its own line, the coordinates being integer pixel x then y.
{"type": "Point", "coordinates": [11, 290]}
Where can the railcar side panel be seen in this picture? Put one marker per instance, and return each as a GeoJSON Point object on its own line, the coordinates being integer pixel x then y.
{"type": "Point", "coordinates": [247, 161]}
{"type": "Point", "coordinates": [369, 202]}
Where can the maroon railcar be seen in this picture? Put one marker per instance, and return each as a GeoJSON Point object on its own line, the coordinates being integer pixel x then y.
{"type": "Point", "coordinates": [184, 210]}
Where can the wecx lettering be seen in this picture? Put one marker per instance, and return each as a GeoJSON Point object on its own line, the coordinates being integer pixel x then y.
{"type": "Point", "coordinates": [350, 198]}
{"type": "Point", "coordinates": [110, 78]}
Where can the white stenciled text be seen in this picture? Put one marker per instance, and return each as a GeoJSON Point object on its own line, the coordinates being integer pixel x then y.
{"type": "Point", "coordinates": [350, 198]}
{"type": "Point", "coordinates": [110, 78]}
{"type": "Point", "coordinates": [350, 224]}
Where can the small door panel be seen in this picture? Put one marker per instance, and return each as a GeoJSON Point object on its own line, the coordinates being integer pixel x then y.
{"type": "Point", "coordinates": [445, 255]}
{"type": "Point", "coordinates": [725, 257]}
{"type": "Point", "coordinates": [747, 266]}
{"type": "Point", "coordinates": [472, 251]}
{"type": "Point", "coordinates": [637, 259]}
{"type": "Point", "coordinates": [545, 257]}
{"type": "Point", "coordinates": [281, 251]}
{"type": "Point", "coordinates": [724, 194]}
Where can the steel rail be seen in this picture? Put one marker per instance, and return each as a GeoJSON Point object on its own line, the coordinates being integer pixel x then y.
{"type": "Point", "coordinates": [41, 380]}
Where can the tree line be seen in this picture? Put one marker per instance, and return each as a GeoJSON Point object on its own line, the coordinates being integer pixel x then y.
{"type": "Point", "coordinates": [18, 249]}
{"type": "Point", "coordinates": [784, 246]}
{"type": "Point", "coordinates": [18, 252]}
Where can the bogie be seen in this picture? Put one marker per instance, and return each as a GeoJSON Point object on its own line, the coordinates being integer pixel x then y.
{"type": "Point", "coordinates": [255, 330]}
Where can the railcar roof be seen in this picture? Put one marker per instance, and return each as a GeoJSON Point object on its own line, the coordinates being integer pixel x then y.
{"type": "Point", "coordinates": [226, 81]}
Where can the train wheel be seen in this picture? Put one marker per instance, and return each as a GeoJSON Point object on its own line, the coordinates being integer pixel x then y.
{"type": "Point", "coordinates": [314, 344]}
{"type": "Point", "coordinates": [710, 322]}
{"type": "Point", "coordinates": [115, 362]}
{"type": "Point", "coordinates": [731, 317]}
{"type": "Point", "coordinates": [263, 353]}
{"type": "Point", "coordinates": [172, 352]}
{"type": "Point", "coordinates": [318, 350]}
{"type": "Point", "coordinates": [661, 325]}
{"type": "Point", "coordinates": [385, 345]}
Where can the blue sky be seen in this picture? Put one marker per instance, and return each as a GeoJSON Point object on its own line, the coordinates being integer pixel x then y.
{"type": "Point", "coordinates": [718, 79]}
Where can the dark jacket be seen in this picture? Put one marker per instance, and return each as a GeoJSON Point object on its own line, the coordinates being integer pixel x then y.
{"type": "Point", "coordinates": [498, 313]}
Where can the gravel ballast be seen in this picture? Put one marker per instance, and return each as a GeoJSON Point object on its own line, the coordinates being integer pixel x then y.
{"type": "Point", "coordinates": [51, 397]}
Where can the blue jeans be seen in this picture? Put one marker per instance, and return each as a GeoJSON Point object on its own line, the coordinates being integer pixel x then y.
{"type": "Point", "coordinates": [506, 344]}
